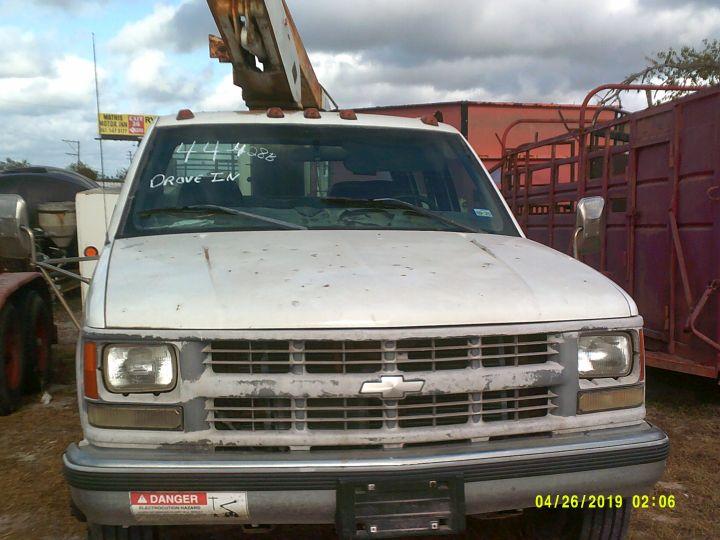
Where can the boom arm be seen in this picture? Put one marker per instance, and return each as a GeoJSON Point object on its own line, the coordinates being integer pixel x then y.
{"type": "Point", "coordinates": [269, 60]}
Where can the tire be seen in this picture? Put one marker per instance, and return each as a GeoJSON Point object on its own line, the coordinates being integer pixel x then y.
{"type": "Point", "coordinates": [12, 359]}
{"type": "Point", "coordinates": [37, 326]}
{"type": "Point", "coordinates": [582, 524]}
{"type": "Point", "coordinates": [605, 523]}
{"type": "Point", "coordinates": [111, 532]}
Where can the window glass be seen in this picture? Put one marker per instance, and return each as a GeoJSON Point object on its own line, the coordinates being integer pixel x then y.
{"type": "Point", "coordinates": [240, 177]}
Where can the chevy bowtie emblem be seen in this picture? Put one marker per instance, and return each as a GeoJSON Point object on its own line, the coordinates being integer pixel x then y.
{"type": "Point", "coordinates": [392, 387]}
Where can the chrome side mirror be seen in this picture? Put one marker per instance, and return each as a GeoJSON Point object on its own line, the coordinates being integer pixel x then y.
{"type": "Point", "coordinates": [14, 240]}
{"type": "Point", "coordinates": [589, 226]}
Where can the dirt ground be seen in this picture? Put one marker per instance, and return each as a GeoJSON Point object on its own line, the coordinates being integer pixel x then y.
{"type": "Point", "coordinates": [35, 498]}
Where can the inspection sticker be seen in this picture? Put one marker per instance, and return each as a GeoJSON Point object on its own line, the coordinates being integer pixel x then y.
{"type": "Point", "coordinates": [199, 504]}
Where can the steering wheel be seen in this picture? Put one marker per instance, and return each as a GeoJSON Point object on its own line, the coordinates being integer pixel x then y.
{"type": "Point", "coordinates": [353, 213]}
{"type": "Point", "coordinates": [417, 200]}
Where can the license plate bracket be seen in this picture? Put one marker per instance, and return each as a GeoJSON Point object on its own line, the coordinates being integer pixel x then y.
{"type": "Point", "coordinates": [399, 507]}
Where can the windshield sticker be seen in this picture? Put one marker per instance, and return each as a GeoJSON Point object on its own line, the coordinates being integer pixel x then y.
{"type": "Point", "coordinates": [483, 212]}
{"type": "Point", "coordinates": [257, 152]}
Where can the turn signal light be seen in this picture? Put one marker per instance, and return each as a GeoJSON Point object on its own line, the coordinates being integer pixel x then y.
{"type": "Point", "coordinates": [135, 417]}
{"type": "Point", "coordinates": [90, 371]}
{"type": "Point", "coordinates": [91, 251]}
{"type": "Point", "coordinates": [609, 399]}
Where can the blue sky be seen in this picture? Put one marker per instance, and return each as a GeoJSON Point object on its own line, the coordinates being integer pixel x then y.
{"type": "Point", "coordinates": [153, 57]}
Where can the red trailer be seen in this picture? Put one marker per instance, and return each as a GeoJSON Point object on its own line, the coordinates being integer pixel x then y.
{"type": "Point", "coordinates": [27, 330]}
{"type": "Point", "coordinates": [659, 172]}
{"type": "Point", "coordinates": [484, 124]}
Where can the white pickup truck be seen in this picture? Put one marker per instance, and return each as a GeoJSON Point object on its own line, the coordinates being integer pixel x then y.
{"type": "Point", "coordinates": [307, 317]}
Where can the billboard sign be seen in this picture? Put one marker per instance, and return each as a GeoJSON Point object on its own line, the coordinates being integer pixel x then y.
{"type": "Point", "coordinates": [124, 127]}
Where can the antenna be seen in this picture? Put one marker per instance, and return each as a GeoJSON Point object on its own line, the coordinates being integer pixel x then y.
{"type": "Point", "coordinates": [102, 160]}
{"type": "Point", "coordinates": [97, 104]}
{"type": "Point", "coordinates": [75, 145]}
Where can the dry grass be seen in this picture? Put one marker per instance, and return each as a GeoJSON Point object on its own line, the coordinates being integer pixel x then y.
{"type": "Point", "coordinates": [688, 409]}
{"type": "Point", "coordinates": [36, 498]}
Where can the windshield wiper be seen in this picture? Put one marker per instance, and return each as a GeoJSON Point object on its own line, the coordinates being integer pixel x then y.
{"type": "Point", "coordinates": [216, 209]}
{"type": "Point", "coordinates": [388, 202]}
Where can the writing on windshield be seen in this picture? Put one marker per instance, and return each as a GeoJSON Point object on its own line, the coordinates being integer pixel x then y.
{"type": "Point", "coordinates": [292, 175]}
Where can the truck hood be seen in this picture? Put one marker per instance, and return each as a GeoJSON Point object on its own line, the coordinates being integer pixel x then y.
{"type": "Point", "coordinates": [348, 279]}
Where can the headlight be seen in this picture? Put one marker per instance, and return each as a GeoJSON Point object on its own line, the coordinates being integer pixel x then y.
{"type": "Point", "coordinates": [604, 355]}
{"type": "Point", "coordinates": [139, 368]}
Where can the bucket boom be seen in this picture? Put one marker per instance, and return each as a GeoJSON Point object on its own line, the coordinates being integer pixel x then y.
{"type": "Point", "coordinates": [269, 60]}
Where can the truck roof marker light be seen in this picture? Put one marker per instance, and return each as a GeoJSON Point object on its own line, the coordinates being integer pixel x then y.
{"type": "Point", "coordinates": [90, 370]}
{"type": "Point", "coordinates": [430, 120]}
{"type": "Point", "coordinates": [275, 112]}
{"type": "Point", "coordinates": [348, 115]}
{"type": "Point", "coordinates": [185, 114]}
{"type": "Point", "coordinates": [312, 114]}
{"type": "Point", "coordinates": [91, 251]}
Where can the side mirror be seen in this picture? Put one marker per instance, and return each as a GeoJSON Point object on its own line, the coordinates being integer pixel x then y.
{"type": "Point", "coordinates": [14, 241]}
{"type": "Point", "coordinates": [589, 226]}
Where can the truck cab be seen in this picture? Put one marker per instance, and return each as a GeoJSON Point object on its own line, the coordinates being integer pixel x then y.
{"type": "Point", "coordinates": [306, 317]}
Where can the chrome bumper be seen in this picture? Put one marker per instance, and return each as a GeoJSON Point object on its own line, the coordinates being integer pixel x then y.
{"type": "Point", "coordinates": [300, 487]}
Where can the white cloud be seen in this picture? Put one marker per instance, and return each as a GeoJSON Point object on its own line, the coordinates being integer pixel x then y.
{"type": "Point", "coordinates": [67, 84]}
{"type": "Point", "coordinates": [407, 50]}
{"type": "Point", "coordinates": [179, 28]}
{"type": "Point", "coordinates": [150, 32]}
{"type": "Point", "coordinates": [20, 53]}
{"type": "Point", "coordinates": [156, 81]}
{"type": "Point", "coordinates": [41, 110]}
{"type": "Point", "coordinates": [66, 4]}
{"type": "Point", "coordinates": [225, 97]}
{"type": "Point", "coordinates": [144, 70]}
{"type": "Point", "coordinates": [366, 53]}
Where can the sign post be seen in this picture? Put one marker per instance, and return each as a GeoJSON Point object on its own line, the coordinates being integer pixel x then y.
{"type": "Point", "coordinates": [124, 127]}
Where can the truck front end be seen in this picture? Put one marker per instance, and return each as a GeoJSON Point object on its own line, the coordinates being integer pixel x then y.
{"type": "Point", "coordinates": [338, 321]}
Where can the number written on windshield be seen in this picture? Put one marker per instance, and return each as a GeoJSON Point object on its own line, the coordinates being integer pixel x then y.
{"type": "Point", "coordinates": [238, 149]}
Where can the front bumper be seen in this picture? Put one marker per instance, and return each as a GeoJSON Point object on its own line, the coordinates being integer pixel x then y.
{"type": "Point", "coordinates": [300, 487]}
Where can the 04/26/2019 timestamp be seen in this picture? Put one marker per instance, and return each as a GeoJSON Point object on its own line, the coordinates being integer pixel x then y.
{"type": "Point", "coordinates": [603, 501]}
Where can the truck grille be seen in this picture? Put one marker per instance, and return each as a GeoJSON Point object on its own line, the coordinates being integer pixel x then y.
{"type": "Point", "coordinates": [353, 413]}
{"type": "Point", "coordinates": [406, 355]}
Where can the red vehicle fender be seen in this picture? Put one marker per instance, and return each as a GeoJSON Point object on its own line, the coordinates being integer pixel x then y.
{"type": "Point", "coordinates": [12, 282]}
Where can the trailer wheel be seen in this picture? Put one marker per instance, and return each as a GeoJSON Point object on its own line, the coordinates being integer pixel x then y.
{"type": "Point", "coordinates": [37, 325]}
{"type": "Point", "coordinates": [111, 532]}
{"type": "Point", "coordinates": [12, 361]}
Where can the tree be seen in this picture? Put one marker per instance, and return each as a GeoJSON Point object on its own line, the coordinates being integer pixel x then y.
{"type": "Point", "coordinates": [120, 174]}
{"type": "Point", "coordinates": [687, 66]}
{"type": "Point", "coordinates": [85, 170]}
{"type": "Point", "coordinates": [10, 163]}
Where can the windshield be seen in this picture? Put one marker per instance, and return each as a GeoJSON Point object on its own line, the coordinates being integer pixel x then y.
{"type": "Point", "coordinates": [230, 177]}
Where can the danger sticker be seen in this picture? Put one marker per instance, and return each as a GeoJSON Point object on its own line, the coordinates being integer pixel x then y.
{"type": "Point", "coordinates": [199, 504]}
